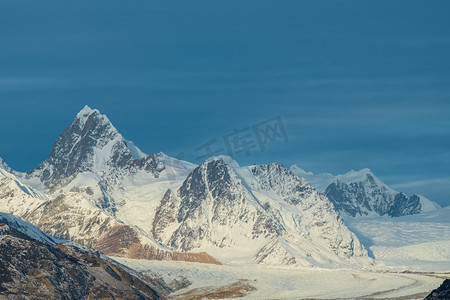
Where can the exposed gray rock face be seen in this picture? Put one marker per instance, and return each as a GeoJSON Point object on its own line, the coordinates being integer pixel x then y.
{"type": "Point", "coordinates": [404, 205]}
{"type": "Point", "coordinates": [46, 270]}
{"type": "Point", "coordinates": [367, 195]}
{"type": "Point", "coordinates": [277, 178]}
{"type": "Point", "coordinates": [92, 144]}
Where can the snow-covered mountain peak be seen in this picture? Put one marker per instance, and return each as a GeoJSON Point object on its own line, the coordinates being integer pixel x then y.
{"type": "Point", "coordinates": [354, 176]}
{"type": "Point", "coordinates": [214, 175]}
{"type": "Point", "coordinates": [89, 144]}
{"type": "Point", "coordinates": [228, 160]}
{"type": "Point", "coordinates": [299, 171]}
{"type": "Point", "coordinates": [89, 119]}
{"type": "Point", "coordinates": [363, 176]}
{"type": "Point", "coordinates": [319, 181]}
{"type": "Point", "coordinates": [276, 171]}
{"type": "Point", "coordinates": [84, 114]}
{"type": "Point", "coordinates": [359, 193]}
{"type": "Point", "coordinates": [96, 125]}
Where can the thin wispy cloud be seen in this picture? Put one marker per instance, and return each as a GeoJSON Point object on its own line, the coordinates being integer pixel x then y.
{"type": "Point", "coordinates": [32, 83]}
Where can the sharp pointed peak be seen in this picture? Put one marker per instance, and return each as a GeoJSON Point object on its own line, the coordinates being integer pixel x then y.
{"type": "Point", "coordinates": [87, 111]}
{"type": "Point", "coordinates": [228, 160]}
{"type": "Point", "coordinates": [84, 114]}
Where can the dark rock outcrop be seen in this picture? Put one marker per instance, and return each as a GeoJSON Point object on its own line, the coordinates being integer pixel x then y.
{"type": "Point", "coordinates": [441, 293]}
{"type": "Point", "coordinates": [34, 269]}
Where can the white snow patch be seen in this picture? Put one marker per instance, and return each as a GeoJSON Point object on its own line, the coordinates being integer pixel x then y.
{"type": "Point", "coordinates": [136, 153]}
{"type": "Point", "coordinates": [427, 204]}
{"type": "Point", "coordinates": [416, 242]}
{"type": "Point", "coordinates": [27, 228]}
{"type": "Point", "coordinates": [84, 114]}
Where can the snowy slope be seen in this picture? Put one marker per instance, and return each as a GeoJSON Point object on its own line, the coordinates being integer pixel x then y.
{"type": "Point", "coordinates": [16, 197]}
{"type": "Point", "coordinates": [417, 242]}
{"type": "Point", "coordinates": [26, 228]}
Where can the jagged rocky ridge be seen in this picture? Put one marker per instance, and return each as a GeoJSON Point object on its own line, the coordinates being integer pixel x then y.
{"type": "Point", "coordinates": [361, 193]}
{"type": "Point", "coordinates": [46, 269]}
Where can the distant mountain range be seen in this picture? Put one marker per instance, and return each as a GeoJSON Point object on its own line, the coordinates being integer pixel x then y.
{"type": "Point", "coordinates": [100, 190]}
{"type": "Point", "coordinates": [361, 193]}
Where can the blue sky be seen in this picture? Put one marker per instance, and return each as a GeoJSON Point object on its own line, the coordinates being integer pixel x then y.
{"type": "Point", "coordinates": [356, 83]}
